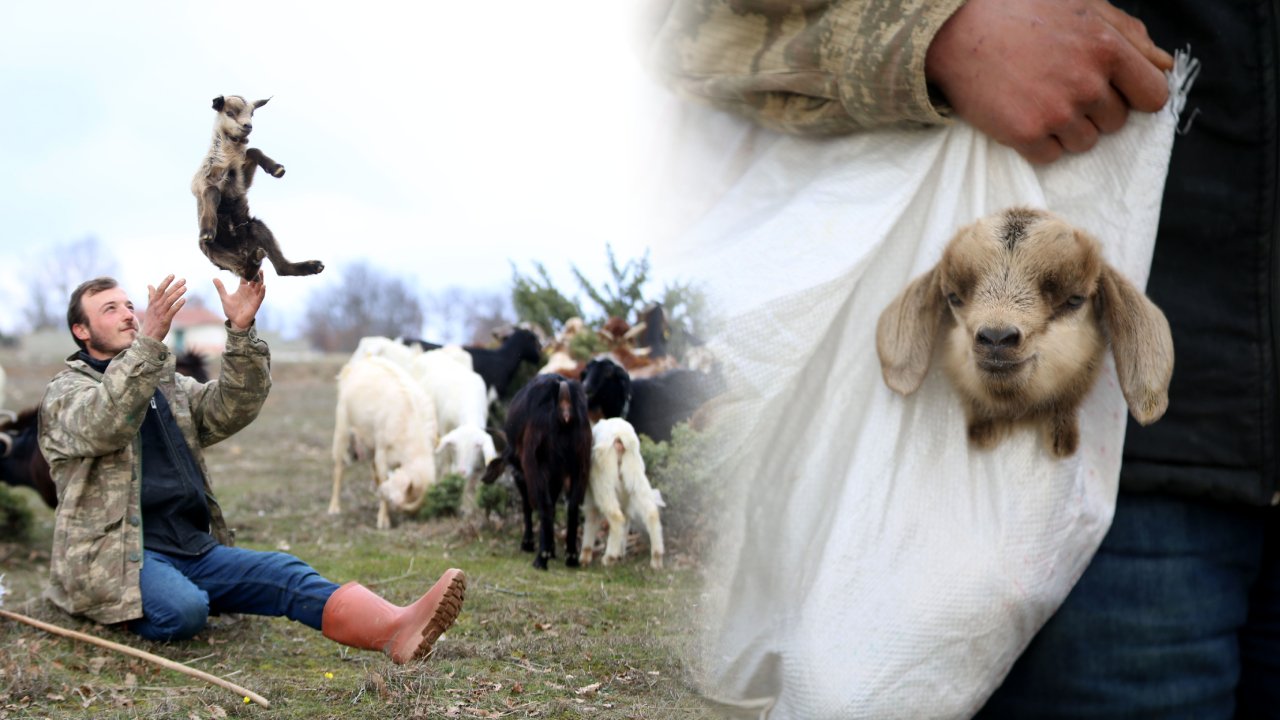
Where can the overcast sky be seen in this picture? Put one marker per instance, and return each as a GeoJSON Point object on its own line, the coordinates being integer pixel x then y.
{"type": "Point", "coordinates": [437, 141]}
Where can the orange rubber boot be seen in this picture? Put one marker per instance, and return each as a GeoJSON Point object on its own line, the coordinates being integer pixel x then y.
{"type": "Point", "coordinates": [357, 617]}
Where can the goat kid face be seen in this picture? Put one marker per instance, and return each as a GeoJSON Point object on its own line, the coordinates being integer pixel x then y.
{"type": "Point", "coordinates": [1025, 306]}
{"type": "Point", "coordinates": [1022, 295]}
{"type": "Point", "coordinates": [235, 117]}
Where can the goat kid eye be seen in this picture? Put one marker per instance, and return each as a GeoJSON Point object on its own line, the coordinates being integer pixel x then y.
{"type": "Point", "coordinates": [954, 300]}
{"type": "Point", "coordinates": [1075, 301]}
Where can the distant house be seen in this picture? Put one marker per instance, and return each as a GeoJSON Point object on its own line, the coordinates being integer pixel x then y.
{"type": "Point", "coordinates": [199, 329]}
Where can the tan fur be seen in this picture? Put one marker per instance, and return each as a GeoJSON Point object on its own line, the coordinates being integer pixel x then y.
{"type": "Point", "coordinates": [1025, 307]}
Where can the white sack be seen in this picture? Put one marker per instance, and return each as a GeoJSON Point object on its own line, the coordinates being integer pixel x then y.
{"type": "Point", "coordinates": [872, 564]}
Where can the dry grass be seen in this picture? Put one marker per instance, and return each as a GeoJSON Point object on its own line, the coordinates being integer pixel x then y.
{"type": "Point", "coordinates": [600, 643]}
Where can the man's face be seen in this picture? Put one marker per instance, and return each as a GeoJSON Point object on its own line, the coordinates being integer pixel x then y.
{"type": "Point", "coordinates": [112, 325]}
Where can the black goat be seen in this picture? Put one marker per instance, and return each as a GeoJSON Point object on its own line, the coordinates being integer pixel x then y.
{"type": "Point", "coordinates": [660, 402]}
{"type": "Point", "coordinates": [655, 331]}
{"type": "Point", "coordinates": [548, 451]}
{"type": "Point", "coordinates": [21, 462]}
{"type": "Point", "coordinates": [497, 366]}
{"type": "Point", "coordinates": [608, 388]}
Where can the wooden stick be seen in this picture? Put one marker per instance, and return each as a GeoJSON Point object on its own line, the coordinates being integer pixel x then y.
{"type": "Point", "coordinates": [142, 654]}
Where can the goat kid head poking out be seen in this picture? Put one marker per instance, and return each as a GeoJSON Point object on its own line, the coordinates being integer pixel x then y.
{"type": "Point", "coordinates": [1025, 306]}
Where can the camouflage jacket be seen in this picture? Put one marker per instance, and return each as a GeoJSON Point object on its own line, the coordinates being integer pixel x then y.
{"type": "Point", "coordinates": [89, 424]}
{"type": "Point", "coordinates": [807, 67]}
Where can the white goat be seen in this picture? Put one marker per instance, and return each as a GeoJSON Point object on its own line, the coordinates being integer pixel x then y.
{"type": "Point", "coordinates": [462, 407]}
{"type": "Point", "coordinates": [376, 346]}
{"type": "Point", "coordinates": [619, 489]}
{"type": "Point", "coordinates": [381, 407]}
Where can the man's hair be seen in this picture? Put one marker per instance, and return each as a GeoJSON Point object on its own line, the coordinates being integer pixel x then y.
{"type": "Point", "coordinates": [75, 308]}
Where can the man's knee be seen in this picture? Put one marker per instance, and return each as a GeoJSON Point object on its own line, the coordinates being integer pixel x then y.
{"type": "Point", "coordinates": [173, 619]}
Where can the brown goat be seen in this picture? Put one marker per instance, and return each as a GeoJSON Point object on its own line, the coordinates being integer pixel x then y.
{"type": "Point", "coordinates": [1026, 305]}
{"type": "Point", "coordinates": [229, 236]}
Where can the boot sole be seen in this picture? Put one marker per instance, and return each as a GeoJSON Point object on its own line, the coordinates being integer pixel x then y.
{"type": "Point", "coordinates": [445, 614]}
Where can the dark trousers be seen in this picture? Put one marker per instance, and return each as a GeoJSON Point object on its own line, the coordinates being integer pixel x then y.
{"type": "Point", "coordinates": [179, 593]}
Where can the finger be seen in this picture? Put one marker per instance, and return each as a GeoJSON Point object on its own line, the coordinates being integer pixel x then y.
{"type": "Point", "coordinates": [222, 291]}
{"type": "Point", "coordinates": [1077, 137]}
{"type": "Point", "coordinates": [1135, 32]}
{"type": "Point", "coordinates": [164, 284]}
{"type": "Point", "coordinates": [169, 313]}
{"type": "Point", "coordinates": [1108, 114]}
{"type": "Point", "coordinates": [1041, 152]}
{"type": "Point", "coordinates": [1141, 84]}
{"type": "Point", "coordinates": [178, 287]}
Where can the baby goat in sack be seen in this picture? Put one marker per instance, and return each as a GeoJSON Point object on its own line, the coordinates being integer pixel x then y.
{"type": "Point", "coordinates": [229, 236]}
{"type": "Point", "coordinates": [1026, 305]}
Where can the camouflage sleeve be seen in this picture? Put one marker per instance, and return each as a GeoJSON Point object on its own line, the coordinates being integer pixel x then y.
{"type": "Point", "coordinates": [81, 417]}
{"type": "Point", "coordinates": [223, 407]}
{"type": "Point", "coordinates": [825, 68]}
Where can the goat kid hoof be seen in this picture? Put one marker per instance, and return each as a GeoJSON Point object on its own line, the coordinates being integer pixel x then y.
{"type": "Point", "coordinates": [278, 172]}
{"type": "Point", "coordinates": [571, 561]}
{"type": "Point", "coordinates": [310, 267]}
{"type": "Point", "coordinates": [527, 545]}
{"type": "Point", "coordinates": [540, 563]}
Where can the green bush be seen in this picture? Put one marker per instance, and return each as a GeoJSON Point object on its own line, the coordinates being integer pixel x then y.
{"type": "Point", "coordinates": [15, 515]}
{"type": "Point", "coordinates": [680, 469]}
{"type": "Point", "coordinates": [444, 498]}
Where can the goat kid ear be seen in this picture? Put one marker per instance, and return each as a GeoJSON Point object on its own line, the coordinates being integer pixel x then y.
{"type": "Point", "coordinates": [1141, 343]}
{"type": "Point", "coordinates": [259, 103]}
{"type": "Point", "coordinates": [906, 332]}
{"type": "Point", "coordinates": [219, 102]}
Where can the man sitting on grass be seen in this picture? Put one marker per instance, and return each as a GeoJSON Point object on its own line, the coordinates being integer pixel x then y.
{"type": "Point", "coordinates": [139, 537]}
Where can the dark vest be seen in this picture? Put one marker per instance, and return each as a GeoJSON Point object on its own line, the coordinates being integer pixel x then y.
{"type": "Point", "coordinates": [1216, 265]}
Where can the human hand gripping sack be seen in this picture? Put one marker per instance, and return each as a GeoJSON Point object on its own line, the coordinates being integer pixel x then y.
{"type": "Point", "coordinates": [1045, 76]}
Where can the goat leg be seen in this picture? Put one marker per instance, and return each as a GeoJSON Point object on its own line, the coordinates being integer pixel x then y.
{"type": "Point", "coordinates": [207, 213]}
{"type": "Point", "coordinates": [1062, 433]}
{"type": "Point", "coordinates": [526, 541]}
{"type": "Point", "coordinates": [260, 159]}
{"type": "Point", "coordinates": [266, 241]}
{"type": "Point", "coordinates": [575, 496]}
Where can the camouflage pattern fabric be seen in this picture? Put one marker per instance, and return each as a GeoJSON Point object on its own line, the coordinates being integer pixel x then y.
{"type": "Point", "coordinates": [804, 67]}
{"type": "Point", "coordinates": [89, 424]}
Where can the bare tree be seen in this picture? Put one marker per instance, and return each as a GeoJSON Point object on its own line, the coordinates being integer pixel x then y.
{"type": "Point", "coordinates": [469, 317]}
{"type": "Point", "coordinates": [363, 301]}
{"type": "Point", "coordinates": [57, 271]}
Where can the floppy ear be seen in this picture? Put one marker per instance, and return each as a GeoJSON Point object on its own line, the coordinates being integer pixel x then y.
{"type": "Point", "coordinates": [906, 331]}
{"type": "Point", "coordinates": [1141, 343]}
{"type": "Point", "coordinates": [218, 102]}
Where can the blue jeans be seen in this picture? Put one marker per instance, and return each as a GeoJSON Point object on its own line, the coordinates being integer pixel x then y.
{"type": "Point", "coordinates": [1177, 616]}
{"type": "Point", "coordinates": [179, 593]}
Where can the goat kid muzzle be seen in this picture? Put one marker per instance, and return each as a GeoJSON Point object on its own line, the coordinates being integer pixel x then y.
{"type": "Point", "coordinates": [998, 350]}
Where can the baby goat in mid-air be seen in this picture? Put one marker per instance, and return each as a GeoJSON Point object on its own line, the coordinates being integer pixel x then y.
{"type": "Point", "coordinates": [229, 236]}
{"type": "Point", "coordinates": [1026, 305]}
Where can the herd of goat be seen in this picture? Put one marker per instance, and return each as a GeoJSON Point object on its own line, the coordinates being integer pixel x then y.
{"type": "Point", "coordinates": [418, 411]}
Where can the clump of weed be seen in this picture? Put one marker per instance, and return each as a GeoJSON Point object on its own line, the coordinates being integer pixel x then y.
{"type": "Point", "coordinates": [15, 516]}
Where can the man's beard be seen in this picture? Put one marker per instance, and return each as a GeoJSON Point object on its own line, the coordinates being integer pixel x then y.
{"type": "Point", "coordinates": [99, 345]}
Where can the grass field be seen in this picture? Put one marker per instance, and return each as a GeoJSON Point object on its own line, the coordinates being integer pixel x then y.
{"type": "Point", "coordinates": [596, 642]}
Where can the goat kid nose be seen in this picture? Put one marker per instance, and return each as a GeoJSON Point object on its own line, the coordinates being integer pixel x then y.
{"type": "Point", "coordinates": [247, 127]}
{"type": "Point", "coordinates": [999, 337]}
